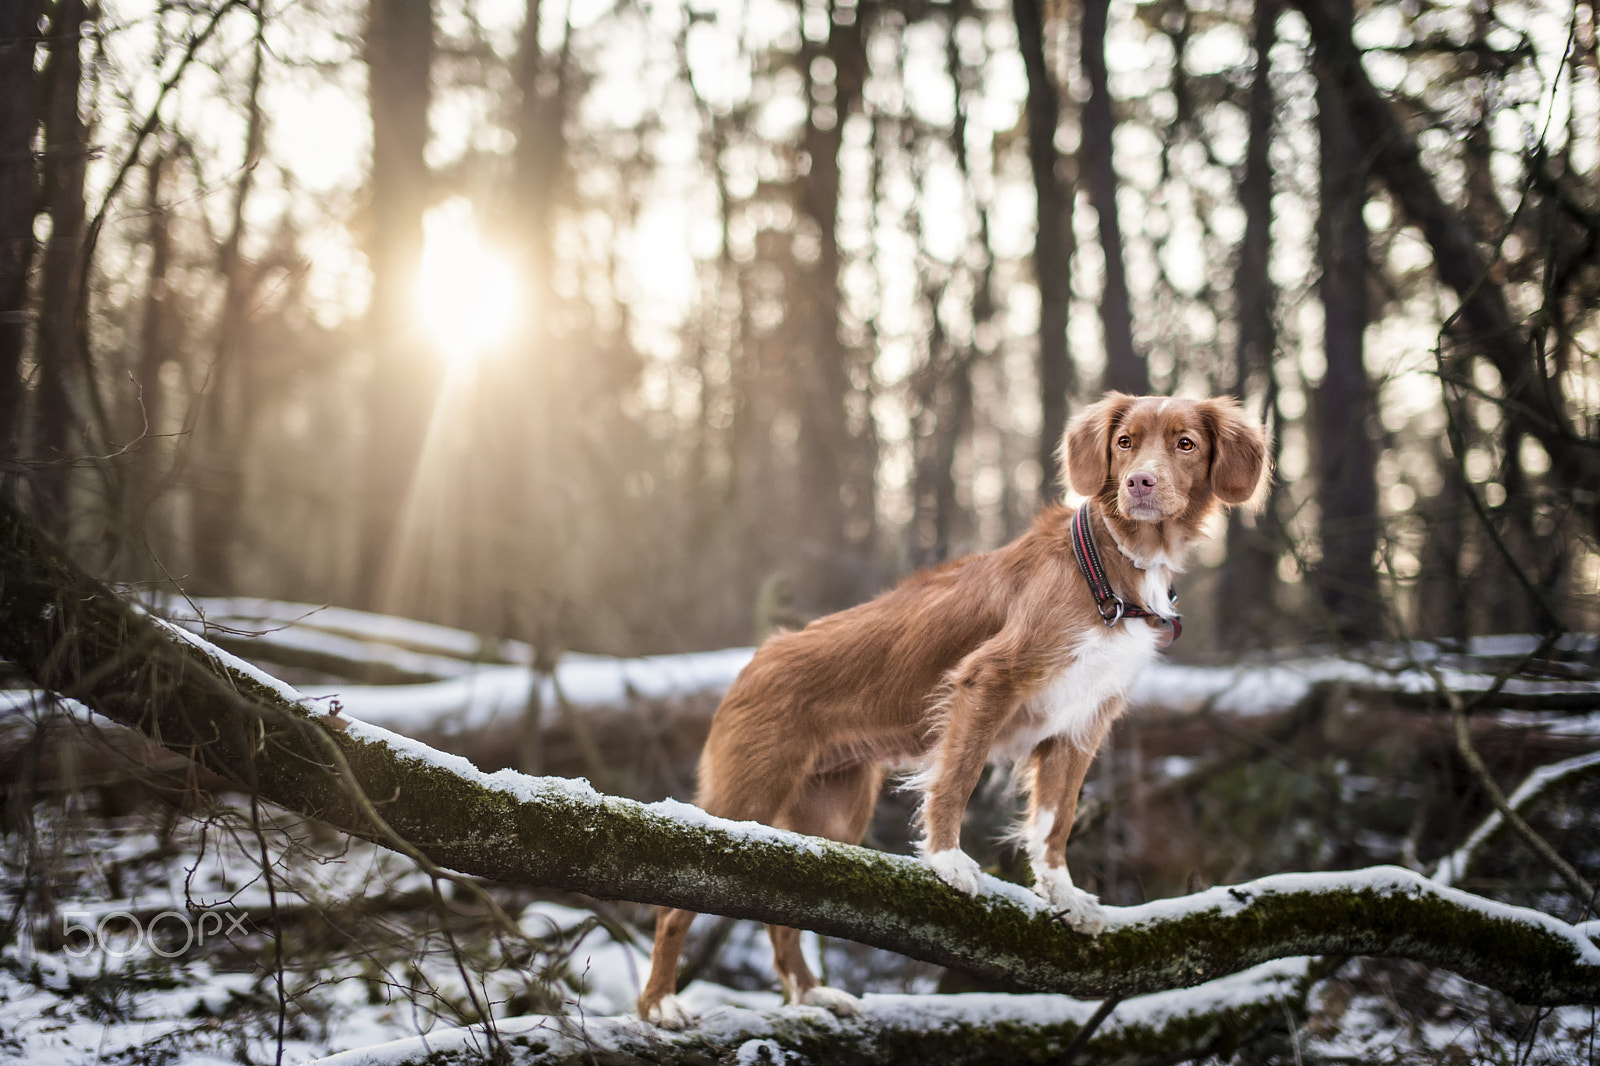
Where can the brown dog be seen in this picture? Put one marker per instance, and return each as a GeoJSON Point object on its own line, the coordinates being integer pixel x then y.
{"type": "Point", "coordinates": [1005, 656]}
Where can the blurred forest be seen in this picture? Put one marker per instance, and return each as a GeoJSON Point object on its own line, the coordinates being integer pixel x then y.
{"type": "Point", "coordinates": [640, 327]}
{"type": "Point", "coordinates": [632, 327]}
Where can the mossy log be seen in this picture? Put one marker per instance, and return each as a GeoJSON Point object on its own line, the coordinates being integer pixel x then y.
{"type": "Point", "coordinates": [75, 636]}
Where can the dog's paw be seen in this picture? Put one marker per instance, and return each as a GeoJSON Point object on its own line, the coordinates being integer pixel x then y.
{"type": "Point", "coordinates": [1074, 906]}
{"type": "Point", "coordinates": [668, 1012]}
{"type": "Point", "coordinates": [836, 1000]}
{"type": "Point", "coordinates": [956, 868]}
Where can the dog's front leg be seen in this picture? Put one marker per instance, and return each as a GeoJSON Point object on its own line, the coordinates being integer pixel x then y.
{"type": "Point", "coordinates": [983, 693]}
{"type": "Point", "coordinates": [1059, 765]}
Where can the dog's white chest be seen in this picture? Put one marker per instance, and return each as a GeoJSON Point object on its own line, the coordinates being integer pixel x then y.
{"type": "Point", "coordinates": [1100, 667]}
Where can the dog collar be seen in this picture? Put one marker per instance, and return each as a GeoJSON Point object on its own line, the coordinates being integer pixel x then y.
{"type": "Point", "coordinates": [1112, 608]}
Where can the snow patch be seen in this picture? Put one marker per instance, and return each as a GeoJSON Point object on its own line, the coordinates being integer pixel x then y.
{"type": "Point", "coordinates": [753, 1052]}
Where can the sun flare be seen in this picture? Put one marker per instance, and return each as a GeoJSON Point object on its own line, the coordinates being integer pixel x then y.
{"type": "Point", "coordinates": [467, 293]}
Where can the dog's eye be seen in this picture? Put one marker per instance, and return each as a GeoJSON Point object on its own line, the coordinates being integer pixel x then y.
{"type": "Point", "coordinates": [1124, 441]}
{"type": "Point", "coordinates": [1185, 444]}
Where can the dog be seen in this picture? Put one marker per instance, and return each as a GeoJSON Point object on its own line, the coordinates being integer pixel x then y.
{"type": "Point", "coordinates": [1020, 655]}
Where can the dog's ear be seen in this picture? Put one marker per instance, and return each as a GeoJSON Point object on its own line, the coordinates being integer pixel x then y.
{"type": "Point", "coordinates": [1238, 451]}
{"type": "Point", "coordinates": [1085, 453]}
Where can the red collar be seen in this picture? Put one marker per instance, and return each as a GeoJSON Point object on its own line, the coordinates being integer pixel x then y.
{"type": "Point", "coordinates": [1113, 608]}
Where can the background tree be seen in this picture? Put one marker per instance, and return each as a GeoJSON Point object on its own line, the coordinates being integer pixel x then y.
{"type": "Point", "coordinates": [1054, 241]}
{"type": "Point", "coordinates": [399, 56]}
{"type": "Point", "coordinates": [1346, 489]}
{"type": "Point", "coordinates": [18, 195]}
{"type": "Point", "coordinates": [60, 401]}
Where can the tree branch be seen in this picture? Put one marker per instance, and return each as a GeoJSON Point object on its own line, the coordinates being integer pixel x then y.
{"type": "Point", "coordinates": [76, 637]}
{"type": "Point", "coordinates": [973, 1029]}
{"type": "Point", "coordinates": [1541, 847]}
{"type": "Point", "coordinates": [1454, 866]}
{"type": "Point", "coordinates": [1485, 313]}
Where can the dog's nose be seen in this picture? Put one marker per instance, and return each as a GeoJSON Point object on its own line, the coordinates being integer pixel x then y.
{"type": "Point", "coordinates": [1141, 483]}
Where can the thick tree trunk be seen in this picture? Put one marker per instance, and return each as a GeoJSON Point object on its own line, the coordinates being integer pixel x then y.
{"type": "Point", "coordinates": [837, 489]}
{"type": "Point", "coordinates": [1054, 244]}
{"type": "Point", "coordinates": [55, 418]}
{"type": "Point", "coordinates": [75, 637]}
{"type": "Point", "coordinates": [19, 201]}
{"type": "Point", "coordinates": [1125, 368]}
{"type": "Point", "coordinates": [1347, 494]}
{"type": "Point", "coordinates": [1250, 576]}
{"type": "Point", "coordinates": [404, 377]}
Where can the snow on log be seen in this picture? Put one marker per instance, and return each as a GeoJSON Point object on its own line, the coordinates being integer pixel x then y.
{"type": "Point", "coordinates": [952, 1030]}
{"type": "Point", "coordinates": [76, 637]}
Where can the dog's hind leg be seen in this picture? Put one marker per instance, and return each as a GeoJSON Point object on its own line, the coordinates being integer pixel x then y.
{"type": "Point", "coordinates": [658, 1002]}
{"type": "Point", "coordinates": [743, 777]}
{"type": "Point", "coordinates": [836, 805]}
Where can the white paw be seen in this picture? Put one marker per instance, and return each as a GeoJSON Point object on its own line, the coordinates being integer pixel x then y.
{"type": "Point", "coordinates": [956, 868]}
{"type": "Point", "coordinates": [837, 1000]}
{"type": "Point", "coordinates": [1080, 910]}
{"type": "Point", "coordinates": [670, 1013]}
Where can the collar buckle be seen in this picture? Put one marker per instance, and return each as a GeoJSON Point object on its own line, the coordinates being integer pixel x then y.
{"type": "Point", "coordinates": [1112, 610]}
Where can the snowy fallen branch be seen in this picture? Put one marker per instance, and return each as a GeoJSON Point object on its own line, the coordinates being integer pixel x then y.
{"type": "Point", "coordinates": [419, 678]}
{"type": "Point", "coordinates": [1454, 866]}
{"type": "Point", "coordinates": [74, 636]}
{"type": "Point", "coordinates": [952, 1030]}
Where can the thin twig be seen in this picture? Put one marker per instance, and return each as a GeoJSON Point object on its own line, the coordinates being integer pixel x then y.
{"type": "Point", "coordinates": [277, 920]}
{"type": "Point", "coordinates": [1081, 1039]}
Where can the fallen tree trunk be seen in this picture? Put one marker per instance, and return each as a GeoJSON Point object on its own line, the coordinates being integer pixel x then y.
{"type": "Point", "coordinates": [76, 637]}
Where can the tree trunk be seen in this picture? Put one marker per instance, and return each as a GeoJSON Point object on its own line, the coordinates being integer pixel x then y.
{"type": "Point", "coordinates": [1053, 245]}
{"type": "Point", "coordinates": [536, 165]}
{"type": "Point", "coordinates": [76, 638]}
{"type": "Point", "coordinates": [836, 494]}
{"type": "Point", "coordinates": [19, 201]}
{"type": "Point", "coordinates": [1347, 494]}
{"type": "Point", "coordinates": [157, 340]}
{"type": "Point", "coordinates": [404, 375]}
{"type": "Point", "coordinates": [1443, 607]}
{"type": "Point", "coordinates": [1125, 368]}
{"type": "Point", "coordinates": [59, 382]}
{"type": "Point", "coordinates": [1250, 576]}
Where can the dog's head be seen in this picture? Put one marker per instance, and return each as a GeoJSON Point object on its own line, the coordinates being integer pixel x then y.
{"type": "Point", "coordinates": [1154, 458]}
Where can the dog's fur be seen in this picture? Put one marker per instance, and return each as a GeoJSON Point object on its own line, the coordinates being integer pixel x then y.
{"type": "Point", "coordinates": [998, 656]}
